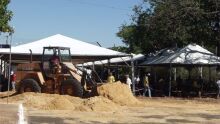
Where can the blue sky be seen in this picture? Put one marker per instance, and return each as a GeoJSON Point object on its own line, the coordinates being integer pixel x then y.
{"type": "Point", "coordinates": [86, 20]}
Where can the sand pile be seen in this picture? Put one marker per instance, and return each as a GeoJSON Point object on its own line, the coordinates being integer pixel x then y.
{"type": "Point", "coordinates": [111, 97]}
{"type": "Point", "coordinates": [100, 103]}
{"type": "Point", "coordinates": [46, 101]}
{"type": "Point", "coordinates": [118, 93]}
{"type": "Point", "coordinates": [41, 101]}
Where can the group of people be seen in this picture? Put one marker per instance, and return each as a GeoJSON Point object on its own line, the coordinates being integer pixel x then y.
{"type": "Point", "coordinates": [111, 79]}
{"type": "Point", "coordinates": [146, 83]}
{"type": "Point", "coordinates": [146, 87]}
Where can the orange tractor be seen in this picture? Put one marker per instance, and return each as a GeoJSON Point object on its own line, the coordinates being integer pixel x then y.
{"type": "Point", "coordinates": [54, 74]}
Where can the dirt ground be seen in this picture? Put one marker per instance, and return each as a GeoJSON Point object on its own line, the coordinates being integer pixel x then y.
{"type": "Point", "coordinates": [115, 107]}
{"type": "Point", "coordinates": [156, 110]}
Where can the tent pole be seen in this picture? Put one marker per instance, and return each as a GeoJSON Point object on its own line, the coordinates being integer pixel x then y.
{"type": "Point", "coordinates": [9, 71]}
{"type": "Point", "coordinates": [155, 76]}
{"type": "Point", "coordinates": [1, 66]}
{"type": "Point", "coordinates": [175, 74]}
{"type": "Point", "coordinates": [93, 65]}
{"type": "Point", "coordinates": [132, 74]}
{"type": "Point", "coordinates": [201, 71]}
{"type": "Point", "coordinates": [209, 74]}
{"type": "Point", "coordinates": [117, 71]}
{"type": "Point", "coordinates": [108, 65]}
{"type": "Point", "coordinates": [170, 80]}
{"type": "Point", "coordinates": [216, 73]}
{"type": "Point", "coordinates": [4, 67]}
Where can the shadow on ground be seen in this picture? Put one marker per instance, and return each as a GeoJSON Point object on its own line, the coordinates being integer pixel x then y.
{"type": "Point", "coordinates": [57, 120]}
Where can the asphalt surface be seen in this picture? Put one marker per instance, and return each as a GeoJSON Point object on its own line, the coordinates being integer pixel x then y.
{"type": "Point", "coordinates": [9, 113]}
{"type": "Point", "coordinates": [12, 114]}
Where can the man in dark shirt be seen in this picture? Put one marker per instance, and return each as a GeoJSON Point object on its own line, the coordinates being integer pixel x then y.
{"type": "Point", "coordinates": [55, 63]}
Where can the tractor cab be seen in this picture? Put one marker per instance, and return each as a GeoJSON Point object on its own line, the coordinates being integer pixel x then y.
{"type": "Point", "coordinates": [53, 59]}
{"type": "Point", "coordinates": [62, 52]}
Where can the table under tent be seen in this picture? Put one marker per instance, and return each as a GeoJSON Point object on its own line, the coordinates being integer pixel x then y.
{"type": "Point", "coordinates": [187, 71]}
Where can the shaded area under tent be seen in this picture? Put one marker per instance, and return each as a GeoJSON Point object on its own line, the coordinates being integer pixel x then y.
{"type": "Point", "coordinates": [191, 56]}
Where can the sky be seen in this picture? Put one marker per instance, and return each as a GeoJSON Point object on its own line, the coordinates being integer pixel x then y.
{"type": "Point", "coordinates": [86, 20]}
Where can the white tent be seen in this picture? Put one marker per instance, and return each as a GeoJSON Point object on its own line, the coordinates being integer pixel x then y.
{"type": "Point", "coordinates": [191, 54]}
{"type": "Point", "coordinates": [77, 47]}
{"type": "Point", "coordinates": [81, 51]}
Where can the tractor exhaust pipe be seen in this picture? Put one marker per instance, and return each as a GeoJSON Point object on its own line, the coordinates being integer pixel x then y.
{"type": "Point", "coordinates": [30, 55]}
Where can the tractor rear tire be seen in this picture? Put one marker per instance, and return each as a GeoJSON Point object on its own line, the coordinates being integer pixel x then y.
{"type": "Point", "coordinates": [29, 85]}
{"type": "Point", "coordinates": [72, 87]}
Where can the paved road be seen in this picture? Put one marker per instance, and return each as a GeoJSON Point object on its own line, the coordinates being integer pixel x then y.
{"type": "Point", "coordinates": [10, 114]}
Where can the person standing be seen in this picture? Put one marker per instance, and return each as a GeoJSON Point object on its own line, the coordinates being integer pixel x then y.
{"type": "Point", "coordinates": [137, 80]}
{"type": "Point", "coordinates": [128, 81]}
{"type": "Point", "coordinates": [146, 85]}
{"type": "Point", "coordinates": [218, 84]}
{"type": "Point", "coordinates": [111, 78]}
{"type": "Point", "coordinates": [13, 78]}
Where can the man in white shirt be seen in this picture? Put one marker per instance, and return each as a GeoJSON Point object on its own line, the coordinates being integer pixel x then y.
{"type": "Point", "coordinates": [137, 80]}
{"type": "Point", "coordinates": [128, 81]}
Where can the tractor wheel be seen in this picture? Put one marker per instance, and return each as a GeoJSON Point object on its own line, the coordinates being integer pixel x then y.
{"type": "Point", "coordinates": [29, 85]}
{"type": "Point", "coordinates": [71, 87]}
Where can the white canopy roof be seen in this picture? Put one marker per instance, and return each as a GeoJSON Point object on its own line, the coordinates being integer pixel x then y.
{"type": "Point", "coordinates": [191, 54]}
{"type": "Point", "coordinates": [77, 47]}
{"type": "Point", "coordinates": [115, 60]}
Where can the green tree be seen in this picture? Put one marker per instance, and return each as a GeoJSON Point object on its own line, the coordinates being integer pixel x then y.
{"type": "Point", "coordinates": [159, 24]}
{"type": "Point", "coordinates": [120, 49]}
{"type": "Point", "coordinates": [5, 16]}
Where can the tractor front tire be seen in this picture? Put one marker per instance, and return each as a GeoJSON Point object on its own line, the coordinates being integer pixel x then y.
{"type": "Point", "coordinates": [72, 87]}
{"type": "Point", "coordinates": [29, 85]}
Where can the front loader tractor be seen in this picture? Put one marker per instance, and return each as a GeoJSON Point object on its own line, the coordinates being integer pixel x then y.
{"type": "Point", "coordinates": [55, 74]}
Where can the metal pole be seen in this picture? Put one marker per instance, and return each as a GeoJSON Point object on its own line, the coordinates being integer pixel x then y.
{"type": "Point", "coordinates": [5, 71]}
{"type": "Point", "coordinates": [175, 74]}
{"type": "Point", "coordinates": [1, 66]}
{"type": "Point", "coordinates": [9, 69]}
{"type": "Point", "coordinates": [132, 74]}
{"type": "Point", "coordinates": [93, 65]}
{"type": "Point", "coordinates": [30, 55]}
{"type": "Point", "coordinates": [109, 66]}
{"type": "Point", "coordinates": [209, 74]}
{"type": "Point", "coordinates": [200, 71]}
{"type": "Point", "coordinates": [117, 72]}
{"type": "Point", "coordinates": [170, 81]}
